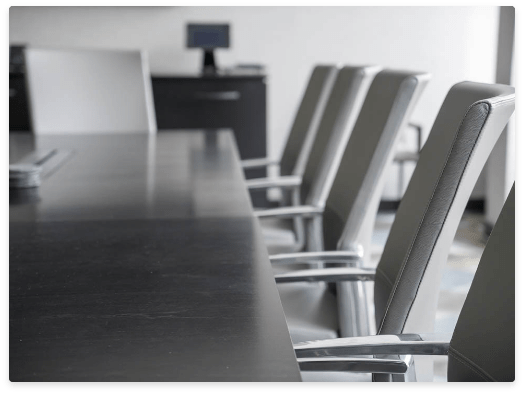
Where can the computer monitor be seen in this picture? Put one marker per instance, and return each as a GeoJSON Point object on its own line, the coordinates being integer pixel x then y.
{"type": "Point", "coordinates": [208, 37]}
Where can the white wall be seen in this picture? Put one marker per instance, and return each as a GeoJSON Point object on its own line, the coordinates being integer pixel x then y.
{"type": "Point", "coordinates": [500, 169]}
{"type": "Point", "coordinates": [453, 43]}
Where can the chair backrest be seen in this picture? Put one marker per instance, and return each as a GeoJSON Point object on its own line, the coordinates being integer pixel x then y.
{"type": "Point", "coordinates": [482, 347]}
{"type": "Point", "coordinates": [467, 127]}
{"type": "Point", "coordinates": [343, 105]}
{"type": "Point", "coordinates": [82, 91]}
{"type": "Point", "coordinates": [357, 188]}
{"type": "Point", "coordinates": [306, 120]}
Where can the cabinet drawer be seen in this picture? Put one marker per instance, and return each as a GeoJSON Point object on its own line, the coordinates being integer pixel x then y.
{"type": "Point", "coordinates": [201, 103]}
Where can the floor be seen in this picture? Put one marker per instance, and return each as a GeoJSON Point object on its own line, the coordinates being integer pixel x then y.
{"type": "Point", "coordinates": [462, 263]}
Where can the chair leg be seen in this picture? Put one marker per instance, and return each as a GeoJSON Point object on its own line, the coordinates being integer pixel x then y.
{"type": "Point", "coordinates": [354, 313]}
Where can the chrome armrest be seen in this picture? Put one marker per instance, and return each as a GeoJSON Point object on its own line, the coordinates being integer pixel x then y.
{"type": "Point", "coordinates": [343, 274]}
{"type": "Point", "coordinates": [354, 364]}
{"type": "Point", "coordinates": [282, 182]}
{"type": "Point", "coordinates": [290, 212]}
{"type": "Point", "coordinates": [342, 354]}
{"type": "Point", "coordinates": [341, 256]}
{"type": "Point", "coordinates": [413, 344]}
{"type": "Point", "coordinates": [259, 162]}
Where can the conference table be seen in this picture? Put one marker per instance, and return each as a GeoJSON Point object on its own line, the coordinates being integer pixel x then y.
{"type": "Point", "coordinates": [138, 258]}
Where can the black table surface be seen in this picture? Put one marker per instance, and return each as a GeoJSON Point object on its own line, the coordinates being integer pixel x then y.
{"type": "Point", "coordinates": [139, 259]}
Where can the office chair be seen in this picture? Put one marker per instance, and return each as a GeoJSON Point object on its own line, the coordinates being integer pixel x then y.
{"type": "Point", "coordinates": [482, 346]}
{"type": "Point", "coordinates": [335, 126]}
{"type": "Point", "coordinates": [296, 151]}
{"type": "Point", "coordinates": [406, 280]}
{"type": "Point", "coordinates": [89, 91]}
{"type": "Point", "coordinates": [304, 126]}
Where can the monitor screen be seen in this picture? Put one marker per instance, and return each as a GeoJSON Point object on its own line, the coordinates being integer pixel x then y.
{"type": "Point", "coordinates": [207, 36]}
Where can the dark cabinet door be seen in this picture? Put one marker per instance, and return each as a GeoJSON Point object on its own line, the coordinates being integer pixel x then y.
{"type": "Point", "coordinates": [19, 119]}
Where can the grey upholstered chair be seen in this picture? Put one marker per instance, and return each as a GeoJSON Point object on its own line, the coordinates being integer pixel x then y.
{"type": "Point", "coordinates": [407, 278]}
{"type": "Point", "coordinates": [482, 346]}
{"type": "Point", "coordinates": [333, 130]}
{"type": "Point", "coordinates": [304, 125]}
{"type": "Point", "coordinates": [296, 151]}
{"type": "Point", "coordinates": [89, 91]}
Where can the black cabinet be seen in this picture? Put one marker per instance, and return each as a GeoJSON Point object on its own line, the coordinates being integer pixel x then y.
{"type": "Point", "coordinates": [18, 103]}
{"type": "Point", "coordinates": [229, 101]}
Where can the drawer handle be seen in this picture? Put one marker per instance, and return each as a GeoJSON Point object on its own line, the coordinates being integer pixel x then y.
{"type": "Point", "coordinates": [217, 96]}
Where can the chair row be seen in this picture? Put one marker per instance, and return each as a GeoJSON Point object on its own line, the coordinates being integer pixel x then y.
{"type": "Point", "coordinates": [332, 174]}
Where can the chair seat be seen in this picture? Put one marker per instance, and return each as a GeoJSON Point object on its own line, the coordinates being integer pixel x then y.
{"type": "Point", "coordinates": [278, 248]}
{"type": "Point", "coordinates": [279, 236]}
{"type": "Point", "coordinates": [310, 309]}
{"type": "Point", "coordinates": [278, 229]}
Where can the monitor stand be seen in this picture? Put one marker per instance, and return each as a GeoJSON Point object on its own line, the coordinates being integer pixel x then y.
{"type": "Point", "coordinates": [209, 62]}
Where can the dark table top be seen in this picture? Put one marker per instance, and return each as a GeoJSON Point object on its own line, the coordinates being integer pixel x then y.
{"type": "Point", "coordinates": [139, 259]}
